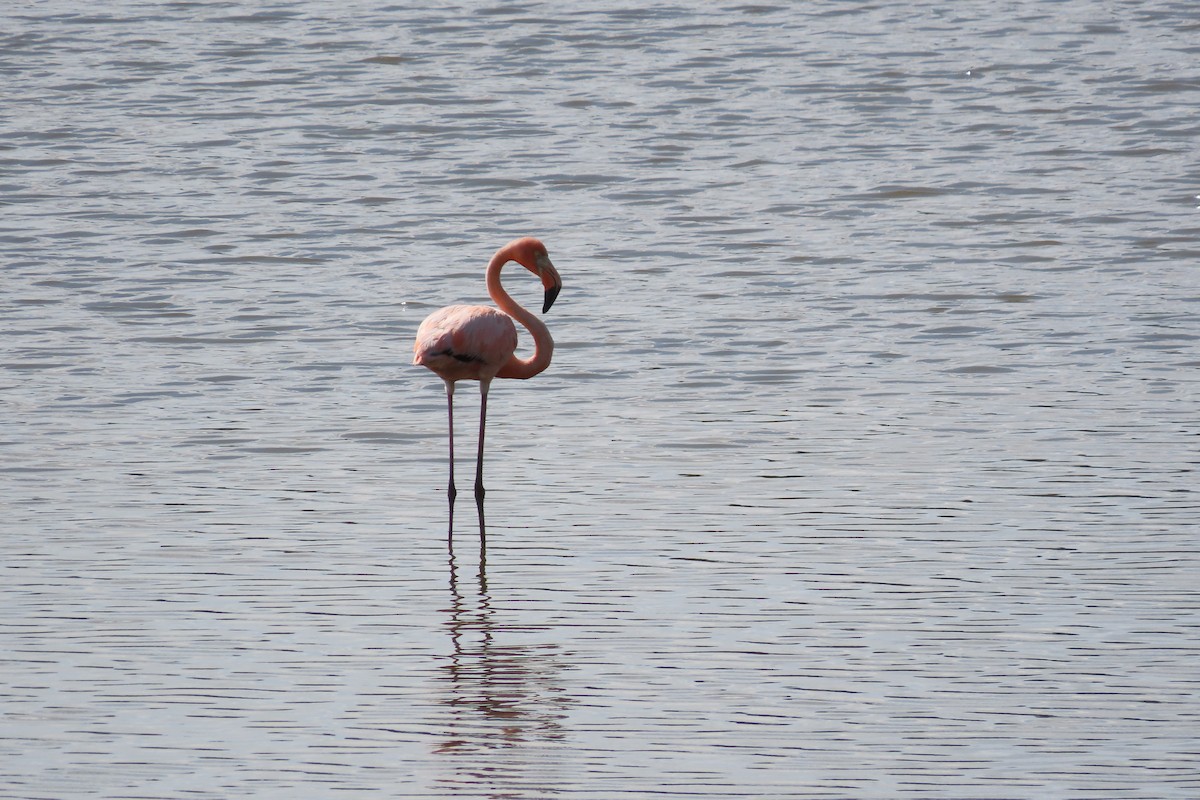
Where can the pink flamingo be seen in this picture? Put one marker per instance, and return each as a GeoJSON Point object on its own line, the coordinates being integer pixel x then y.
{"type": "Point", "coordinates": [477, 343]}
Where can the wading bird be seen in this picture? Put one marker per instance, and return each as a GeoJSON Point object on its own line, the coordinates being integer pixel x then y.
{"type": "Point", "coordinates": [477, 343]}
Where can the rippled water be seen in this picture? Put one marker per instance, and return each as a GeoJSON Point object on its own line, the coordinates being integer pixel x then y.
{"type": "Point", "coordinates": [865, 467]}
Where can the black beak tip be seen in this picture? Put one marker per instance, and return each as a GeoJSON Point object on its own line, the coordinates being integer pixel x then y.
{"type": "Point", "coordinates": [551, 295]}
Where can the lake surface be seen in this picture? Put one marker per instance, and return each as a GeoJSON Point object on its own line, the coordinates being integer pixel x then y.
{"type": "Point", "coordinates": [865, 468]}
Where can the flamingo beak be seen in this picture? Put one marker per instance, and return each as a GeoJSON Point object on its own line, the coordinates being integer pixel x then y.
{"type": "Point", "coordinates": [550, 280]}
{"type": "Point", "coordinates": [551, 294]}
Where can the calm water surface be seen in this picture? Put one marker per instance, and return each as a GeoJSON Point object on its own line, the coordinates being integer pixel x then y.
{"type": "Point", "coordinates": [866, 466]}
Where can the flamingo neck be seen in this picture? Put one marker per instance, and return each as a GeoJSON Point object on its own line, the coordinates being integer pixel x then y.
{"type": "Point", "coordinates": [543, 345]}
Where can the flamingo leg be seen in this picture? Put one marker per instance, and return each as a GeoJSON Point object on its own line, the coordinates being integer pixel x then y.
{"type": "Point", "coordinates": [451, 491]}
{"type": "Point", "coordinates": [483, 396]}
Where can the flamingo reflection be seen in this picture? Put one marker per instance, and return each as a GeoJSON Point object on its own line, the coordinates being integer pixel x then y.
{"type": "Point", "coordinates": [500, 698]}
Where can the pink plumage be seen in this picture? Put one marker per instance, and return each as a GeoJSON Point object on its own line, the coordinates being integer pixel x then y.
{"type": "Point", "coordinates": [465, 342]}
{"type": "Point", "coordinates": [479, 343]}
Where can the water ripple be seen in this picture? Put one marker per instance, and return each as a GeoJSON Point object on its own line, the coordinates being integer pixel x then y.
{"type": "Point", "coordinates": [864, 468]}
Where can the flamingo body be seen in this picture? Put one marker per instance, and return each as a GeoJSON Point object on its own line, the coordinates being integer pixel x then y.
{"type": "Point", "coordinates": [465, 343]}
{"type": "Point", "coordinates": [479, 342]}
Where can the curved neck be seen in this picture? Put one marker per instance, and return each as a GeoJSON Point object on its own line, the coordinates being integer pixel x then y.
{"type": "Point", "coordinates": [543, 345]}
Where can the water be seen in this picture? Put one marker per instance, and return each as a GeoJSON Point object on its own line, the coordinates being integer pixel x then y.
{"type": "Point", "coordinates": [865, 467]}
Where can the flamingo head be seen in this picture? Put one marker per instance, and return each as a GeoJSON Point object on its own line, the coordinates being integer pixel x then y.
{"type": "Point", "coordinates": [531, 254]}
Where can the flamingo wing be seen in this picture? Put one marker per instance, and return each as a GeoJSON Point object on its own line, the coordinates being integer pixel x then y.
{"type": "Point", "coordinates": [465, 342]}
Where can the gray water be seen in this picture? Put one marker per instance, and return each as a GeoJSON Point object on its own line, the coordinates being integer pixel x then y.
{"type": "Point", "coordinates": [865, 467]}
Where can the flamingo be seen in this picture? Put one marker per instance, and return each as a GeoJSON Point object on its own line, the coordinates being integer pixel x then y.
{"type": "Point", "coordinates": [477, 343]}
